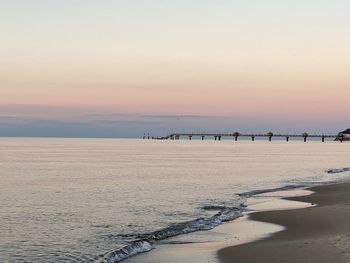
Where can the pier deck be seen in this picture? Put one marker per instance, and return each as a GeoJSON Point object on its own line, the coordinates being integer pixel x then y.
{"type": "Point", "coordinates": [237, 135]}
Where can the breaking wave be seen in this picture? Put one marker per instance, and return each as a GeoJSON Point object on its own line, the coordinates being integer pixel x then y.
{"type": "Point", "coordinates": [226, 214]}
{"type": "Point", "coordinates": [145, 241]}
{"type": "Point", "coordinates": [126, 252]}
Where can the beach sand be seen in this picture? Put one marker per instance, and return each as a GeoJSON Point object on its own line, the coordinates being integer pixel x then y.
{"type": "Point", "coordinates": [318, 234]}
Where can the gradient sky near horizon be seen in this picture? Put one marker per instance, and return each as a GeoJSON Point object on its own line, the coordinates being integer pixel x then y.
{"type": "Point", "coordinates": [245, 64]}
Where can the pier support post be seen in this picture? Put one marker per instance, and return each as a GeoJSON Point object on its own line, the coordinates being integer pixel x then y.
{"type": "Point", "coordinates": [322, 138]}
{"type": "Point", "coordinates": [202, 138]}
{"type": "Point", "coordinates": [287, 138]}
{"type": "Point", "coordinates": [236, 134]}
{"type": "Point", "coordinates": [340, 137]}
{"type": "Point", "coordinates": [305, 135]}
{"type": "Point", "coordinates": [270, 134]}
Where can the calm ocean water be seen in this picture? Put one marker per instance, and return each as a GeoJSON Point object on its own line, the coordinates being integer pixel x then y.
{"type": "Point", "coordinates": [67, 200]}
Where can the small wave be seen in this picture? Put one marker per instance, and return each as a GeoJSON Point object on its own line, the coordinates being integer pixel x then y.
{"type": "Point", "coordinates": [294, 186]}
{"type": "Point", "coordinates": [127, 252]}
{"type": "Point", "coordinates": [199, 224]}
{"type": "Point", "coordinates": [340, 170]}
{"type": "Point", "coordinates": [102, 226]}
{"type": "Point", "coordinates": [270, 190]}
{"type": "Point", "coordinates": [214, 207]}
{"type": "Point", "coordinates": [145, 241]}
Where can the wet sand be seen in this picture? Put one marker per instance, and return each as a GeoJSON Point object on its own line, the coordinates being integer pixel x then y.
{"type": "Point", "coordinates": [319, 234]}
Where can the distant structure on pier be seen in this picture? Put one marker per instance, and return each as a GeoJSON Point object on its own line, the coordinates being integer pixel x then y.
{"type": "Point", "coordinates": [344, 135]}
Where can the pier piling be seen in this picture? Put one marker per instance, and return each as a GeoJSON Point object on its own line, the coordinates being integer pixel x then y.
{"type": "Point", "coordinates": [270, 134]}
{"type": "Point", "coordinates": [305, 135]}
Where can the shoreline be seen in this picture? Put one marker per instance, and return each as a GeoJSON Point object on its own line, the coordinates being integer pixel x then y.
{"type": "Point", "coordinates": [319, 233]}
{"type": "Point", "coordinates": [202, 246]}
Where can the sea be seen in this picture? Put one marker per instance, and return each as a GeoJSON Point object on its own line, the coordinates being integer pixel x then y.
{"type": "Point", "coordinates": [105, 200]}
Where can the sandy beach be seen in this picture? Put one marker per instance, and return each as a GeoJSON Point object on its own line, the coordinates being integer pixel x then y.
{"type": "Point", "coordinates": [316, 234]}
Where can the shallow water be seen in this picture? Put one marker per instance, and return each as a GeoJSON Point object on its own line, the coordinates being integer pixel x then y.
{"type": "Point", "coordinates": [66, 200]}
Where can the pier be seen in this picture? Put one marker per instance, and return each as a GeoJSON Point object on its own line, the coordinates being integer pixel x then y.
{"type": "Point", "coordinates": [252, 136]}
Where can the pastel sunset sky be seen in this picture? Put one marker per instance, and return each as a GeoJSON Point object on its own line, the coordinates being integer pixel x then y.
{"type": "Point", "coordinates": [119, 68]}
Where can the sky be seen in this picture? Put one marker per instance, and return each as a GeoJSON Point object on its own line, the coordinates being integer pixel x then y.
{"type": "Point", "coordinates": [119, 68]}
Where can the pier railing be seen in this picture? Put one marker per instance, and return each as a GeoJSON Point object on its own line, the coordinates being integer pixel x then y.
{"type": "Point", "coordinates": [236, 135]}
